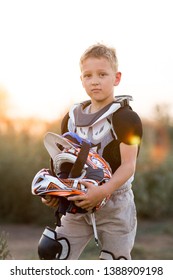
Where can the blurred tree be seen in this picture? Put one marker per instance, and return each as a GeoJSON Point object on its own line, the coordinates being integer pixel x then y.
{"type": "Point", "coordinates": [162, 114]}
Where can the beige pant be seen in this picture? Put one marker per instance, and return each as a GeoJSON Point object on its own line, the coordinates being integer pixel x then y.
{"type": "Point", "coordinates": [116, 227]}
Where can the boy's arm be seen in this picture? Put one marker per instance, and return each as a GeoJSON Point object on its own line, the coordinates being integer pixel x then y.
{"type": "Point", "coordinates": [125, 170]}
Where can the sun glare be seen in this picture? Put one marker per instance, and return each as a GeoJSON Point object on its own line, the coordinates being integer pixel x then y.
{"type": "Point", "coordinates": [134, 140]}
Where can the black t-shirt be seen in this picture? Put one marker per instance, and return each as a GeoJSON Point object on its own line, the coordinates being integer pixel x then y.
{"type": "Point", "coordinates": [127, 128]}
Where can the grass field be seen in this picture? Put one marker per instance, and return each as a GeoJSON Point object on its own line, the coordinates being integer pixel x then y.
{"type": "Point", "coordinates": [154, 241]}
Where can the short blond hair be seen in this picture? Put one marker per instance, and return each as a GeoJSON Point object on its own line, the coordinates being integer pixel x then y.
{"type": "Point", "coordinates": [99, 51]}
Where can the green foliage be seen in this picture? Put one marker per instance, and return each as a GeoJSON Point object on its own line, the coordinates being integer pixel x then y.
{"type": "Point", "coordinates": [23, 155]}
{"type": "Point", "coordinates": [154, 191]}
{"type": "Point", "coordinates": [153, 185]}
{"type": "Point", "coordinates": [4, 251]}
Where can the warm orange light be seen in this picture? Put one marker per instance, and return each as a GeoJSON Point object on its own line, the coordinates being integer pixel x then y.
{"type": "Point", "coordinates": [159, 153]}
{"type": "Point", "coordinates": [134, 140]}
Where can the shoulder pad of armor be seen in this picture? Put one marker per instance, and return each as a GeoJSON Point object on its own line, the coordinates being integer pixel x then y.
{"type": "Point", "coordinates": [83, 119]}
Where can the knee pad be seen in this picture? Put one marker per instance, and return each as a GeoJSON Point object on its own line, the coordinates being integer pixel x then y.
{"type": "Point", "coordinates": [106, 255]}
{"type": "Point", "coordinates": [52, 248]}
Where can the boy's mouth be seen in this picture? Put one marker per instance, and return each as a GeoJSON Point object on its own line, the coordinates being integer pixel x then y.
{"type": "Point", "coordinates": [96, 90]}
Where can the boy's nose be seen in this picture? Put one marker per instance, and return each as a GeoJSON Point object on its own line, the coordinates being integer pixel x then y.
{"type": "Point", "coordinates": [95, 81]}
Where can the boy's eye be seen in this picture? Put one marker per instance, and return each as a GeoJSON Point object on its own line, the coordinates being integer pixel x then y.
{"type": "Point", "coordinates": [102, 74]}
{"type": "Point", "coordinates": [87, 75]}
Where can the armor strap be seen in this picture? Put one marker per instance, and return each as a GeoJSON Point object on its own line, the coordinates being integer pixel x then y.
{"type": "Point", "coordinates": [81, 160]}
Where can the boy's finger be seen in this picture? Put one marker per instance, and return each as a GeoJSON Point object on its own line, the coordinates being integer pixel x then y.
{"type": "Point", "coordinates": [75, 197]}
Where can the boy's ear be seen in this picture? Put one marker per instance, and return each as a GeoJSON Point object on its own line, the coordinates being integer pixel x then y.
{"type": "Point", "coordinates": [117, 79]}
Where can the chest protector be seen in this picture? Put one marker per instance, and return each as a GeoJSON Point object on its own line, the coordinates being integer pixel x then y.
{"type": "Point", "coordinates": [97, 127]}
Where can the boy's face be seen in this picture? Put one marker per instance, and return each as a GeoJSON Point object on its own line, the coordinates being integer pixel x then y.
{"type": "Point", "coordinates": [98, 79]}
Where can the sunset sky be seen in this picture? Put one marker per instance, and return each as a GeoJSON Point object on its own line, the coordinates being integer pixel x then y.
{"type": "Point", "coordinates": [41, 42]}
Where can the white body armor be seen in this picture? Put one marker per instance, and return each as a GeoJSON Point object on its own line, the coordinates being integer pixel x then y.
{"type": "Point", "coordinates": [96, 127]}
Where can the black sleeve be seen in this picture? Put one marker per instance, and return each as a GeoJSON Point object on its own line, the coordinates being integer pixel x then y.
{"type": "Point", "coordinates": [127, 126]}
{"type": "Point", "coordinates": [64, 124]}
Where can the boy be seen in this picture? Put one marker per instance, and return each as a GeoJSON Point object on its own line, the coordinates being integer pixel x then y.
{"type": "Point", "coordinates": [115, 132]}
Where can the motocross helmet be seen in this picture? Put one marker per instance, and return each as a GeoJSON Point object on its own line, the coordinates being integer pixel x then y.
{"type": "Point", "coordinates": [72, 160]}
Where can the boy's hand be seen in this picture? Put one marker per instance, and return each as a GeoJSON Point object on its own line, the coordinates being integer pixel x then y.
{"type": "Point", "coordinates": [89, 200]}
{"type": "Point", "coordinates": [51, 201]}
